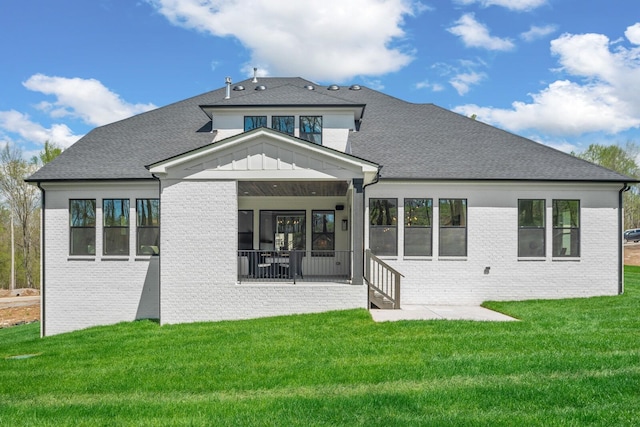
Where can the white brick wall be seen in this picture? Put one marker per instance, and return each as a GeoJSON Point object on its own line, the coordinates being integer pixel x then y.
{"type": "Point", "coordinates": [492, 242]}
{"type": "Point", "coordinates": [199, 256]}
{"type": "Point", "coordinates": [95, 290]}
{"type": "Point", "coordinates": [199, 264]}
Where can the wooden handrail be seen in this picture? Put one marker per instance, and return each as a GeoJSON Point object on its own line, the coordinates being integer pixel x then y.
{"type": "Point", "coordinates": [382, 278]}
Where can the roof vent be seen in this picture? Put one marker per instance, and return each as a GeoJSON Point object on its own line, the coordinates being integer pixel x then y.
{"type": "Point", "coordinates": [354, 87]}
{"type": "Point", "coordinates": [238, 87]}
{"type": "Point", "coordinates": [255, 75]}
{"type": "Point", "coordinates": [334, 87]}
{"type": "Point", "coordinates": [309, 87]}
{"type": "Point", "coordinates": [261, 87]}
{"type": "Point", "coordinates": [227, 81]}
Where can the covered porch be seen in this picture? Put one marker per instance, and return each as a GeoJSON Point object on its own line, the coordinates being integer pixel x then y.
{"type": "Point", "coordinates": [297, 231]}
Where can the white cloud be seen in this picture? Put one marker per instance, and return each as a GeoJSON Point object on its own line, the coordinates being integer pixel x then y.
{"type": "Point", "coordinates": [475, 34]}
{"type": "Point", "coordinates": [536, 32]}
{"type": "Point", "coordinates": [87, 99]}
{"type": "Point", "coordinates": [633, 34]}
{"type": "Point", "coordinates": [463, 81]}
{"type": "Point", "coordinates": [15, 122]}
{"type": "Point", "coordinates": [426, 84]}
{"type": "Point", "coordinates": [319, 39]}
{"type": "Point", "coordinates": [601, 91]}
{"type": "Point", "coordinates": [517, 5]}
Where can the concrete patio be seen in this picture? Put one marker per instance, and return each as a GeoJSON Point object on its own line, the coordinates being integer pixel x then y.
{"type": "Point", "coordinates": [442, 312]}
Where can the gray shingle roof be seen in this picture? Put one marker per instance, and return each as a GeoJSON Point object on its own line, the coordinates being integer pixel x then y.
{"type": "Point", "coordinates": [410, 141]}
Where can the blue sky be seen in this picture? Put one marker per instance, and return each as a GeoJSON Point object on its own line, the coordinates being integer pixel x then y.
{"type": "Point", "coordinates": [562, 72]}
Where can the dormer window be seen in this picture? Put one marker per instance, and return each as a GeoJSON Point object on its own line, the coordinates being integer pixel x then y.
{"type": "Point", "coordinates": [311, 128]}
{"type": "Point", "coordinates": [284, 124]}
{"type": "Point", "coordinates": [252, 122]}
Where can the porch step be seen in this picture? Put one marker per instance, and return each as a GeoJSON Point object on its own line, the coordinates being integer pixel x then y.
{"type": "Point", "coordinates": [379, 301]}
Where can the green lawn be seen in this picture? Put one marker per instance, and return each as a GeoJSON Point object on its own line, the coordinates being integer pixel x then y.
{"type": "Point", "coordinates": [567, 362]}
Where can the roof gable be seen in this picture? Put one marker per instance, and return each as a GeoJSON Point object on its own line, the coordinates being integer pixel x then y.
{"type": "Point", "coordinates": [264, 154]}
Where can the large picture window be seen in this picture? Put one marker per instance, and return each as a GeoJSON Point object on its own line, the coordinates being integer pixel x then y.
{"type": "Point", "coordinates": [418, 214]}
{"type": "Point", "coordinates": [284, 124]}
{"type": "Point", "coordinates": [383, 226]}
{"type": "Point", "coordinates": [566, 228]}
{"type": "Point", "coordinates": [82, 222]}
{"type": "Point", "coordinates": [311, 129]}
{"type": "Point", "coordinates": [245, 230]}
{"type": "Point", "coordinates": [252, 122]}
{"type": "Point", "coordinates": [148, 226]}
{"type": "Point", "coordinates": [453, 227]}
{"type": "Point", "coordinates": [531, 228]}
{"type": "Point", "coordinates": [323, 232]}
{"type": "Point", "coordinates": [115, 215]}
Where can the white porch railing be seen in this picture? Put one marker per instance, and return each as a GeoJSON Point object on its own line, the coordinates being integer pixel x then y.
{"type": "Point", "coordinates": [383, 281]}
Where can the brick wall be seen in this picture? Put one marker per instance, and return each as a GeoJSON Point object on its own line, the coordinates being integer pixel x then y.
{"type": "Point", "coordinates": [199, 264]}
{"type": "Point", "coordinates": [83, 291]}
{"type": "Point", "coordinates": [492, 239]}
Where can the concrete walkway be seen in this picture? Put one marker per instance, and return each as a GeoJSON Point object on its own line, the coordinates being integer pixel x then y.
{"type": "Point", "coordinates": [443, 312]}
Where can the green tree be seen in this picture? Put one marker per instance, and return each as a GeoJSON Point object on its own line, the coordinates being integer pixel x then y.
{"type": "Point", "coordinates": [622, 160]}
{"type": "Point", "coordinates": [48, 153]}
{"type": "Point", "coordinates": [22, 201]}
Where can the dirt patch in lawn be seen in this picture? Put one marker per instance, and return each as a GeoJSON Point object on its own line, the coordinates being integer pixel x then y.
{"type": "Point", "coordinates": [18, 311]}
{"type": "Point", "coordinates": [632, 254]}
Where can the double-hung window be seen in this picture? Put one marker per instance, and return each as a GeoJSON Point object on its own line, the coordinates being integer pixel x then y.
{"type": "Point", "coordinates": [82, 222]}
{"type": "Point", "coordinates": [311, 129]}
{"type": "Point", "coordinates": [418, 214]}
{"type": "Point", "coordinates": [566, 228]}
{"type": "Point", "coordinates": [115, 219]}
{"type": "Point", "coordinates": [284, 124]}
{"type": "Point", "coordinates": [531, 228]}
{"type": "Point", "coordinates": [148, 226]}
{"type": "Point", "coordinates": [453, 227]}
{"type": "Point", "coordinates": [323, 232]}
{"type": "Point", "coordinates": [383, 228]}
{"type": "Point", "coordinates": [252, 122]}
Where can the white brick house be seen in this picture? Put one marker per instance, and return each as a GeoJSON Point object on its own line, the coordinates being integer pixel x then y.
{"type": "Point", "coordinates": [268, 199]}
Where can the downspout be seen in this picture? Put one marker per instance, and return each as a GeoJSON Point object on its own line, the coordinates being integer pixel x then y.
{"type": "Point", "coordinates": [364, 221]}
{"type": "Point", "coordinates": [159, 254]}
{"type": "Point", "coordinates": [43, 254]}
{"type": "Point", "coordinates": [624, 188]}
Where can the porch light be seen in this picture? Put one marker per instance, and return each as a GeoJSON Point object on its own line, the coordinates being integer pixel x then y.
{"type": "Point", "coordinates": [345, 224]}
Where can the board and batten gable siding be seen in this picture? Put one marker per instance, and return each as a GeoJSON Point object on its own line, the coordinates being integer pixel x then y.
{"type": "Point", "coordinates": [84, 291]}
{"type": "Point", "coordinates": [492, 241]}
{"type": "Point", "coordinates": [199, 263]}
{"type": "Point", "coordinates": [335, 125]}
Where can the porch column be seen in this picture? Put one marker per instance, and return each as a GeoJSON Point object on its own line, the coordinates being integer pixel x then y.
{"type": "Point", "coordinates": [357, 222]}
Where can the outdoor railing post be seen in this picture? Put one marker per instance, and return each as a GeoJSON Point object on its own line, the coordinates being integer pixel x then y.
{"type": "Point", "coordinates": [396, 305]}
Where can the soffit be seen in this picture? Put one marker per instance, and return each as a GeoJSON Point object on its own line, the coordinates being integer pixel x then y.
{"type": "Point", "coordinates": [292, 189]}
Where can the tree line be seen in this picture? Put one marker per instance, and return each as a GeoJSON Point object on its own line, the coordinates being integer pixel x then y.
{"type": "Point", "coordinates": [20, 205]}
{"type": "Point", "coordinates": [20, 217]}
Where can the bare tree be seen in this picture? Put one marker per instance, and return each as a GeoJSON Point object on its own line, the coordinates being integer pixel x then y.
{"type": "Point", "coordinates": [22, 200]}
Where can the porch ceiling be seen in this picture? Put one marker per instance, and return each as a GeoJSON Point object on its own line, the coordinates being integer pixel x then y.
{"type": "Point", "coordinates": [290, 188]}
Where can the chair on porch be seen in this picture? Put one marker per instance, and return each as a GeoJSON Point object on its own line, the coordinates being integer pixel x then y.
{"type": "Point", "coordinates": [295, 264]}
{"type": "Point", "coordinates": [257, 268]}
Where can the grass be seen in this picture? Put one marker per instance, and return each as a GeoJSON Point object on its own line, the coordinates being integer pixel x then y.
{"type": "Point", "coordinates": [567, 362]}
